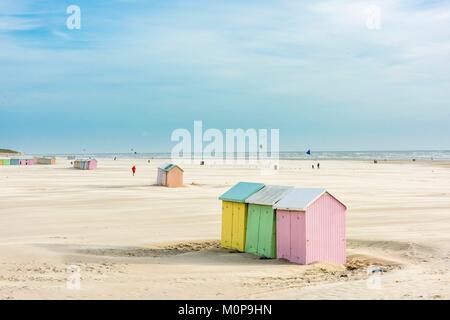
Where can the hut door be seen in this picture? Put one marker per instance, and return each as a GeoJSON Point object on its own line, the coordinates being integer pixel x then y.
{"type": "Point", "coordinates": [239, 225]}
{"type": "Point", "coordinates": [266, 245]}
{"type": "Point", "coordinates": [251, 241]}
{"type": "Point", "coordinates": [298, 238]}
{"type": "Point", "coordinates": [283, 235]}
{"type": "Point", "coordinates": [227, 223]}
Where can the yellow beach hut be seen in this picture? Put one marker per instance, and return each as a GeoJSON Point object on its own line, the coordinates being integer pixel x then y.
{"type": "Point", "coordinates": [45, 160]}
{"type": "Point", "coordinates": [234, 214]}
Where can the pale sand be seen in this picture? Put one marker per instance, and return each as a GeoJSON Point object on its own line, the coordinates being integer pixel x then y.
{"type": "Point", "coordinates": [133, 240]}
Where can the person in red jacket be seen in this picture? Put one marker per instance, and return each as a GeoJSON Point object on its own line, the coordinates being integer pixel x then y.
{"type": "Point", "coordinates": [133, 169]}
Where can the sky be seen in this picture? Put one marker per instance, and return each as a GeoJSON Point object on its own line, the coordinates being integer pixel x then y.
{"type": "Point", "coordinates": [319, 71]}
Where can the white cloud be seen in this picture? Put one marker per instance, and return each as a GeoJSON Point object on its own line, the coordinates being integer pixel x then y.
{"type": "Point", "coordinates": [16, 24]}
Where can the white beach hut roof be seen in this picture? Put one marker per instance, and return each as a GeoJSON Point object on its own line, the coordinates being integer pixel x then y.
{"type": "Point", "coordinates": [301, 198]}
{"type": "Point", "coordinates": [269, 195]}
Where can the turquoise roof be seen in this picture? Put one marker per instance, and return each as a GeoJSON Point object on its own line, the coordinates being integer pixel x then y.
{"type": "Point", "coordinates": [169, 166]}
{"type": "Point", "coordinates": [241, 191]}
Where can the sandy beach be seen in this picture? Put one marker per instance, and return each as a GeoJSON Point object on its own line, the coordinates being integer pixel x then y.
{"type": "Point", "coordinates": [134, 240]}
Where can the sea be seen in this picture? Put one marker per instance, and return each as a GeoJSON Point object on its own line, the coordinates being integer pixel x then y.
{"type": "Point", "coordinates": [290, 155]}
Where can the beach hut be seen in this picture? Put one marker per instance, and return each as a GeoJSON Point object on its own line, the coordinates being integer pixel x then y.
{"type": "Point", "coordinates": [310, 227]}
{"type": "Point", "coordinates": [234, 214]}
{"type": "Point", "coordinates": [261, 221]}
{"type": "Point", "coordinates": [45, 160]}
{"type": "Point", "coordinates": [14, 162]}
{"type": "Point", "coordinates": [5, 161]}
{"type": "Point", "coordinates": [26, 161]}
{"type": "Point", "coordinates": [85, 164]}
{"type": "Point", "coordinates": [92, 164]}
{"type": "Point", "coordinates": [79, 164]}
{"type": "Point", "coordinates": [170, 175]}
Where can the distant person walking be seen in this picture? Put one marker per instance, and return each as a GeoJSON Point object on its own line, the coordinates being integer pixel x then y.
{"type": "Point", "coordinates": [133, 169]}
{"type": "Point", "coordinates": [318, 165]}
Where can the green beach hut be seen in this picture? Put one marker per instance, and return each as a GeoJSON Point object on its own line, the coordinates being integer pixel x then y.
{"type": "Point", "coordinates": [261, 221]}
{"type": "Point", "coordinates": [5, 161]}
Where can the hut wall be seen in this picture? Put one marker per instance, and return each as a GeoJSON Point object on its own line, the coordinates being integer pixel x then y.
{"type": "Point", "coordinates": [174, 178]}
{"type": "Point", "coordinates": [325, 231]}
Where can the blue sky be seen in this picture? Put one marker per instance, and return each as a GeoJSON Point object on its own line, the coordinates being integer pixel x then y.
{"type": "Point", "coordinates": [137, 70]}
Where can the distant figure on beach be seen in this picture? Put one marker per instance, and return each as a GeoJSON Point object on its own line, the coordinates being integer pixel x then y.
{"type": "Point", "coordinates": [133, 169]}
{"type": "Point", "coordinates": [115, 158]}
{"type": "Point", "coordinates": [318, 165]}
{"type": "Point", "coordinates": [312, 166]}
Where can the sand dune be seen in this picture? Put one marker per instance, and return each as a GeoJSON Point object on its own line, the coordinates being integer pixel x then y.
{"type": "Point", "coordinates": [133, 240]}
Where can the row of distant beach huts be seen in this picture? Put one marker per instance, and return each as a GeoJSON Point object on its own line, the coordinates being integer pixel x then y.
{"type": "Point", "coordinates": [169, 174]}
{"type": "Point", "coordinates": [26, 161]}
{"type": "Point", "coordinates": [83, 164]}
{"type": "Point", "coordinates": [302, 225]}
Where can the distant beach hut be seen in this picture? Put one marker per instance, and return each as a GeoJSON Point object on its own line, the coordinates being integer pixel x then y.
{"type": "Point", "coordinates": [261, 221]}
{"type": "Point", "coordinates": [234, 214]}
{"type": "Point", "coordinates": [14, 162]}
{"type": "Point", "coordinates": [45, 160]}
{"type": "Point", "coordinates": [310, 227]}
{"type": "Point", "coordinates": [85, 164]}
{"type": "Point", "coordinates": [92, 164]}
{"type": "Point", "coordinates": [26, 161]}
{"type": "Point", "coordinates": [5, 161]}
{"type": "Point", "coordinates": [170, 175]}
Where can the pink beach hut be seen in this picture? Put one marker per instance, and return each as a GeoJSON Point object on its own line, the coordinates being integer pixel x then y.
{"type": "Point", "coordinates": [311, 227]}
{"type": "Point", "coordinates": [26, 161]}
{"type": "Point", "coordinates": [170, 175]}
{"type": "Point", "coordinates": [92, 164]}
